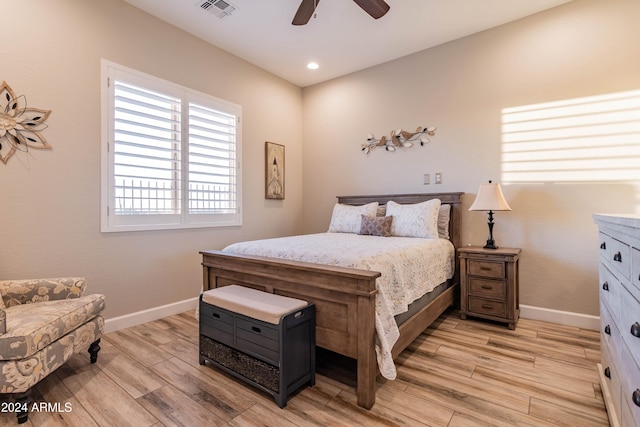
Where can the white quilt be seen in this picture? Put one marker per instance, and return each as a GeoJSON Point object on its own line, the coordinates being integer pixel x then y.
{"type": "Point", "coordinates": [410, 268]}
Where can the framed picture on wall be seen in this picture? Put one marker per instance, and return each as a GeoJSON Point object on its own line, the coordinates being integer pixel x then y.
{"type": "Point", "coordinates": [274, 171]}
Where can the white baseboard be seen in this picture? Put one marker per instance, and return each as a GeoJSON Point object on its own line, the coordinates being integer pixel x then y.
{"type": "Point", "coordinates": [568, 318]}
{"type": "Point", "coordinates": [149, 315]}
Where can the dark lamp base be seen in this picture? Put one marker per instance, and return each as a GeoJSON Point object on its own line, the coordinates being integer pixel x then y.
{"type": "Point", "coordinates": [490, 245]}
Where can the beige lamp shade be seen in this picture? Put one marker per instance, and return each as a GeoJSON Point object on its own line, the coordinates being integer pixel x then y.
{"type": "Point", "coordinates": [490, 198]}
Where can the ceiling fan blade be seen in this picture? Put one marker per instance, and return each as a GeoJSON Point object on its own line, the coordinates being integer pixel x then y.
{"type": "Point", "coordinates": [305, 11]}
{"type": "Point", "coordinates": [375, 8]}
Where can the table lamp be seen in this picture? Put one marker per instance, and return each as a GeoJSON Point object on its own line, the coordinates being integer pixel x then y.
{"type": "Point", "coordinates": [490, 198]}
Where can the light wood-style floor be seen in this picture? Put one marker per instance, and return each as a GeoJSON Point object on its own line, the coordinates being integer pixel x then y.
{"type": "Point", "coordinates": [457, 373]}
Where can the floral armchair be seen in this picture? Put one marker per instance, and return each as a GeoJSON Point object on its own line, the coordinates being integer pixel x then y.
{"type": "Point", "coordinates": [43, 322]}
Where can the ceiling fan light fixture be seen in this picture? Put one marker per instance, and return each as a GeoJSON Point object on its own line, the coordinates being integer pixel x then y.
{"type": "Point", "coordinates": [313, 65]}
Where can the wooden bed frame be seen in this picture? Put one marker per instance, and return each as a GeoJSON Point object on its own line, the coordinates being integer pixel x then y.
{"type": "Point", "coordinates": [344, 297]}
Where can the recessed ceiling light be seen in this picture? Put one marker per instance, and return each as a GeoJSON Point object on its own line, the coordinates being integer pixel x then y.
{"type": "Point", "coordinates": [313, 66]}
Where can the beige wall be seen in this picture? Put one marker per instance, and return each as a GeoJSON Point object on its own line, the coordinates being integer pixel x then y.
{"type": "Point", "coordinates": [50, 207]}
{"type": "Point", "coordinates": [581, 49]}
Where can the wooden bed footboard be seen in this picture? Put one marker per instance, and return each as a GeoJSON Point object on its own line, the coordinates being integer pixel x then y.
{"type": "Point", "coordinates": [345, 298]}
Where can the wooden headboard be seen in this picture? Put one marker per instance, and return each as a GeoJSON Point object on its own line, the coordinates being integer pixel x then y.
{"type": "Point", "coordinates": [452, 199]}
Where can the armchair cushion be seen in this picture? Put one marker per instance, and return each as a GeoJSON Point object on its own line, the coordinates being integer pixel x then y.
{"type": "Point", "coordinates": [31, 327]}
{"type": "Point", "coordinates": [15, 292]}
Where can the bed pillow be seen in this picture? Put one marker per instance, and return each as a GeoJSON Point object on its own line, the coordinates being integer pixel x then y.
{"type": "Point", "coordinates": [347, 218]}
{"type": "Point", "coordinates": [376, 225]}
{"type": "Point", "coordinates": [415, 220]}
{"type": "Point", "coordinates": [444, 214]}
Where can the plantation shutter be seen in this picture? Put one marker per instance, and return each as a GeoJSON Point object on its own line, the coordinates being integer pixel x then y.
{"type": "Point", "coordinates": [171, 155]}
{"type": "Point", "coordinates": [147, 151]}
{"type": "Point", "coordinates": [212, 161]}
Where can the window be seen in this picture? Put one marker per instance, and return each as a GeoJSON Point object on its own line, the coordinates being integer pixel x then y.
{"type": "Point", "coordinates": [171, 155]}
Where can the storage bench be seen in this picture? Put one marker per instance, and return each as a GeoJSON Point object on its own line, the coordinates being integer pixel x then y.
{"type": "Point", "coordinates": [264, 339]}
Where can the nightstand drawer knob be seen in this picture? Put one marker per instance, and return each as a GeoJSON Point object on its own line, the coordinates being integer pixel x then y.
{"type": "Point", "coordinates": [488, 287]}
{"type": "Point", "coordinates": [636, 397]}
{"type": "Point", "coordinates": [617, 257]}
{"type": "Point", "coordinates": [603, 245]}
{"type": "Point", "coordinates": [607, 372]}
{"type": "Point", "coordinates": [605, 286]}
{"type": "Point", "coordinates": [487, 306]}
{"type": "Point", "coordinates": [607, 330]}
{"type": "Point", "coordinates": [635, 330]}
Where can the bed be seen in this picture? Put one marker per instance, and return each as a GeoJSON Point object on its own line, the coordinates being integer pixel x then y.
{"type": "Point", "coordinates": [345, 297]}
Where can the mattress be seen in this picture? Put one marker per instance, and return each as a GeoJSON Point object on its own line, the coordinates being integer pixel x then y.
{"type": "Point", "coordinates": [410, 267]}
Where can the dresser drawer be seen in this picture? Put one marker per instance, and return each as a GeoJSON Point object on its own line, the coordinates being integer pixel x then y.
{"type": "Point", "coordinates": [488, 288]}
{"type": "Point", "coordinates": [605, 246]}
{"type": "Point", "coordinates": [630, 323]}
{"type": "Point", "coordinates": [486, 269]}
{"type": "Point", "coordinates": [490, 308]}
{"type": "Point", "coordinates": [609, 333]}
{"type": "Point", "coordinates": [620, 258]}
{"type": "Point", "coordinates": [630, 384]}
{"type": "Point", "coordinates": [610, 289]}
{"type": "Point", "coordinates": [635, 269]}
{"type": "Point", "coordinates": [612, 380]}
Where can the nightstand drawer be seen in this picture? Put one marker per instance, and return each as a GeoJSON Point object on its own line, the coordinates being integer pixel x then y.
{"type": "Point", "coordinates": [486, 269]}
{"type": "Point", "coordinates": [488, 288]}
{"type": "Point", "coordinates": [490, 308]}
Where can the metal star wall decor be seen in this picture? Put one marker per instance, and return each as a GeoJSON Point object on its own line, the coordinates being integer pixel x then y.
{"type": "Point", "coordinates": [399, 139]}
{"type": "Point", "coordinates": [20, 126]}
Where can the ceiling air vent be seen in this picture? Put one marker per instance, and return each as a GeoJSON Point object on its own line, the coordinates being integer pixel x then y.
{"type": "Point", "coordinates": [220, 8]}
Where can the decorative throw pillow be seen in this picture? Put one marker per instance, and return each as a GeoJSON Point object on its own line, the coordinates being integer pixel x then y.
{"type": "Point", "coordinates": [376, 225]}
{"type": "Point", "coordinates": [415, 220]}
{"type": "Point", "coordinates": [347, 218]}
{"type": "Point", "coordinates": [444, 214]}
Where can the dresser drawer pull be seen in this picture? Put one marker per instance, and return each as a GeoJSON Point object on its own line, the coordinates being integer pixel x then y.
{"type": "Point", "coordinates": [603, 245]}
{"type": "Point", "coordinates": [635, 330]}
{"type": "Point", "coordinates": [607, 372]}
{"type": "Point", "coordinates": [256, 329]}
{"type": "Point", "coordinates": [607, 330]}
{"type": "Point", "coordinates": [636, 397]}
{"type": "Point", "coordinates": [605, 286]}
{"type": "Point", "coordinates": [617, 257]}
{"type": "Point", "coordinates": [483, 268]}
{"type": "Point", "coordinates": [486, 287]}
{"type": "Point", "coordinates": [487, 306]}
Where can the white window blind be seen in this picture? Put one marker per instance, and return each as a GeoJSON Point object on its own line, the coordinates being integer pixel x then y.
{"type": "Point", "coordinates": [171, 155]}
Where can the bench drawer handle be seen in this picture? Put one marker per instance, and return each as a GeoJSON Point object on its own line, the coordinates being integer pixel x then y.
{"type": "Point", "coordinates": [617, 257]}
{"type": "Point", "coordinates": [216, 315]}
{"type": "Point", "coordinates": [255, 329]}
{"type": "Point", "coordinates": [605, 286]}
{"type": "Point", "coordinates": [635, 330]}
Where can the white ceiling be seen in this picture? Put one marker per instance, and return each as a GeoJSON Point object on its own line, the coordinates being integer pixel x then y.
{"type": "Point", "coordinates": [342, 38]}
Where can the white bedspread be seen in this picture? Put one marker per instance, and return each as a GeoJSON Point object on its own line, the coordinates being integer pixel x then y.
{"type": "Point", "coordinates": [410, 268]}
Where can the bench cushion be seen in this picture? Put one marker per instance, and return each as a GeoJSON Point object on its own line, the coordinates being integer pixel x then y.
{"type": "Point", "coordinates": [31, 327]}
{"type": "Point", "coordinates": [252, 303]}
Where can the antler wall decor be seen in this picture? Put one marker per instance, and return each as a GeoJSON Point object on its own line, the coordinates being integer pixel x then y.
{"type": "Point", "coordinates": [19, 126]}
{"type": "Point", "coordinates": [399, 139]}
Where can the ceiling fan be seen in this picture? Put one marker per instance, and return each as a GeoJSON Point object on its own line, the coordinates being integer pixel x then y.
{"type": "Point", "coordinates": [375, 8]}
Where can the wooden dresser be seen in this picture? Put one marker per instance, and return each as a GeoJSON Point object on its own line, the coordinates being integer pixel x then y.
{"type": "Point", "coordinates": [619, 284]}
{"type": "Point", "coordinates": [489, 284]}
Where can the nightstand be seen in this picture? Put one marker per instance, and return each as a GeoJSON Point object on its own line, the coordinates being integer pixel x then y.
{"type": "Point", "coordinates": [489, 286]}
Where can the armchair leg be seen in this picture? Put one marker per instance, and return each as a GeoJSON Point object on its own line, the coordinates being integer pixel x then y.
{"type": "Point", "coordinates": [94, 348]}
{"type": "Point", "coordinates": [23, 401]}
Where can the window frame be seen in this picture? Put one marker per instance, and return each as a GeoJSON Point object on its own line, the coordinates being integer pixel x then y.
{"type": "Point", "coordinates": [110, 222]}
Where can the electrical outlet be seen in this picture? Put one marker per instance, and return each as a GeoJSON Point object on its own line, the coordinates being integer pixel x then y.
{"type": "Point", "coordinates": [439, 178]}
{"type": "Point", "coordinates": [426, 179]}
